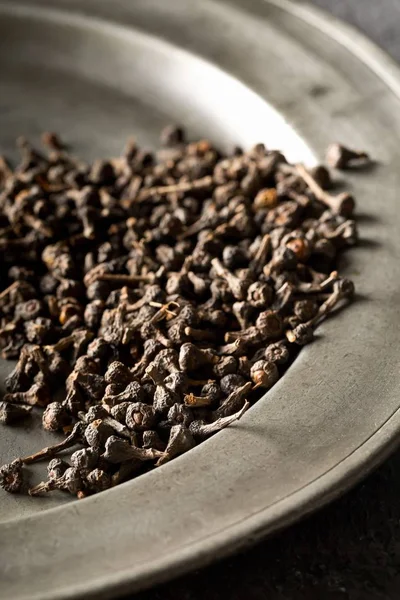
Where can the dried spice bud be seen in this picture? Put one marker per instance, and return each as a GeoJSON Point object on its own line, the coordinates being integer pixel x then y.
{"type": "Point", "coordinates": [179, 414]}
{"type": "Point", "coordinates": [118, 412]}
{"type": "Point", "coordinates": [151, 439]}
{"type": "Point", "coordinates": [202, 430]}
{"type": "Point", "coordinates": [340, 157]}
{"type": "Point", "coordinates": [18, 380]}
{"type": "Point", "coordinates": [11, 478]}
{"type": "Point", "coordinates": [11, 414]}
{"type": "Point", "coordinates": [172, 135]}
{"type": "Point", "coordinates": [97, 433]}
{"type": "Point", "coordinates": [132, 393]}
{"type": "Point", "coordinates": [37, 395]}
{"type": "Point", "coordinates": [233, 402]}
{"type": "Point", "coordinates": [264, 374]}
{"type": "Point", "coordinates": [225, 366]}
{"type": "Point", "coordinates": [28, 310]}
{"type": "Point", "coordinates": [180, 441]}
{"type": "Point", "coordinates": [140, 416]}
{"type": "Point", "coordinates": [342, 204]}
{"type": "Point", "coordinates": [118, 451]}
{"type": "Point", "coordinates": [93, 313]}
{"type": "Point", "coordinates": [55, 417]}
{"type": "Point", "coordinates": [305, 310]}
{"type": "Point", "coordinates": [259, 295]}
{"type": "Point", "coordinates": [277, 353]}
{"type": "Point", "coordinates": [322, 176]}
{"type": "Point", "coordinates": [98, 348]}
{"type": "Point", "coordinates": [229, 383]}
{"type": "Point", "coordinates": [234, 257]}
{"type": "Point", "coordinates": [56, 468]}
{"type": "Point", "coordinates": [177, 382]}
{"type": "Point", "coordinates": [191, 357]}
{"type": "Point", "coordinates": [164, 399]}
{"type": "Point", "coordinates": [71, 481]}
{"type": "Point", "coordinates": [85, 459]}
{"type": "Point", "coordinates": [118, 373]}
{"type": "Point", "coordinates": [266, 198]}
{"type": "Point", "coordinates": [159, 291]}
{"type": "Point", "coordinates": [302, 334]}
{"type": "Point", "coordinates": [237, 286]}
{"type": "Point", "coordinates": [270, 324]}
{"type": "Point", "coordinates": [98, 480]}
{"type": "Point", "coordinates": [93, 413]}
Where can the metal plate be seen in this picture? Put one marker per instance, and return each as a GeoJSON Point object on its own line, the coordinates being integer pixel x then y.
{"type": "Point", "coordinates": [241, 71]}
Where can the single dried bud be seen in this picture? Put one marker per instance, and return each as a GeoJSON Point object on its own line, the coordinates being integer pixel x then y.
{"type": "Point", "coordinates": [302, 334]}
{"type": "Point", "coordinates": [180, 441]}
{"type": "Point", "coordinates": [269, 323]}
{"type": "Point", "coordinates": [11, 478]}
{"type": "Point", "coordinates": [140, 416]}
{"type": "Point", "coordinates": [55, 417]}
{"type": "Point", "coordinates": [85, 459]}
{"type": "Point", "coordinates": [118, 412]}
{"type": "Point", "coordinates": [176, 382]}
{"type": "Point", "coordinates": [151, 439]}
{"type": "Point", "coordinates": [180, 414]}
{"type": "Point", "coordinates": [97, 433]}
{"type": "Point", "coordinates": [226, 366]}
{"type": "Point", "coordinates": [72, 481]}
{"type": "Point", "coordinates": [191, 357]}
{"type": "Point", "coordinates": [344, 287]}
{"type": "Point", "coordinates": [95, 412]}
{"type": "Point", "coordinates": [264, 374]}
{"type": "Point", "coordinates": [118, 451]}
{"type": "Point", "coordinates": [259, 295]}
{"type": "Point", "coordinates": [305, 310]}
{"type": "Point", "coordinates": [300, 247]}
{"type": "Point", "coordinates": [56, 468]}
{"type": "Point", "coordinates": [12, 413]}
{"type": "Point", "coordinates": [164, 399]}
{"type": "Point", "coordinates": [28, 310]}
{"type": "Point", "coordinates": [132, 393]}
{"type": "Point", "coordinates": [98, 480]}
{"type": "Point", "coordinates": [266, 198]}
{"type": "Point", "coordinates": [340, 157]}
{"type": "Point", "coordinates": [37, 395]}
{"type": "Point", "coordinates": [118, 373]}
{"type": "Point", "coordinates": [172, 135]}
{"type": "Point", "coordinates": [229, 383]}
{"type": "Point", "coordinates": [277, 353]}
{"type": "Point", "coordinates": [98, 348]}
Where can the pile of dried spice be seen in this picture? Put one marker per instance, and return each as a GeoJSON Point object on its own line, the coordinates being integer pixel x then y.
{"type": "Point", "coordinates": [163, 293]}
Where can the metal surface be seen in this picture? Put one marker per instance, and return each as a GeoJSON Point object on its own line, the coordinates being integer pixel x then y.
{"type": "Point", "coordinates": [97, 71]}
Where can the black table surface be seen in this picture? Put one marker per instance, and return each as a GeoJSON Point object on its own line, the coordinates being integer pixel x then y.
{"type": "Point", "coordinates": [349, 550]}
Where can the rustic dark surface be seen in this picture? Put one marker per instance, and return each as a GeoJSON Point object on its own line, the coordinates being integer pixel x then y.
{"type": "Point", "coordinates": [351, 549]}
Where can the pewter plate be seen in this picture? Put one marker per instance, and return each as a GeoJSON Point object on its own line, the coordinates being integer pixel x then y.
{"type": "Point", "coordinates": [238, 71]}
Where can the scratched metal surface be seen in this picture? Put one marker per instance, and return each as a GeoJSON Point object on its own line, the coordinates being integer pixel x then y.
{"type": "Point", "coordinates": [334, 414]}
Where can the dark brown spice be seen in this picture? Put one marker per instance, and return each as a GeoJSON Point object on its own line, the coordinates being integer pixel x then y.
{"type": "Point", "coordinates": [160, 292]}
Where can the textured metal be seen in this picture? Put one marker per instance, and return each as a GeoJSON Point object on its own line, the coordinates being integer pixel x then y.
{"type": "Point", "coordinates": [241, 71]}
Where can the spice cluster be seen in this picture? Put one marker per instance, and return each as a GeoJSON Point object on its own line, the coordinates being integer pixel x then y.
{"type": "Point", "coordinates": [163, 293]}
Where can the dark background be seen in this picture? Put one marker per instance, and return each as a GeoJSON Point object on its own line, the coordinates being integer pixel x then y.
{"type": "Point", "coordinates": [351, 549]}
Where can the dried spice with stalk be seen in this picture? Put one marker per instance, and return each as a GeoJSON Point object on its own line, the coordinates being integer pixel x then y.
{"type": "Point", "coordinates": [162, 293]}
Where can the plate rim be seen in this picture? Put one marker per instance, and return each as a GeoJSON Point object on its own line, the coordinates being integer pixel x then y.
{"type": "Point", "coordinates": [326, 486]}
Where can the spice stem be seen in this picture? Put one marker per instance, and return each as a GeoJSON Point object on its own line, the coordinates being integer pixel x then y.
{"type": "Point", "coordinates": [184, 186]}
{"type": "Point", "coordinates": [51, 451]}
